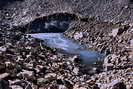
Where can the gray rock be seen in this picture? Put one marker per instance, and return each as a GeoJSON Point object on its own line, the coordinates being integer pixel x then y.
{"type": "Point", "coordinates": [131, 42]}
{"type": "Point", "coordinates": [115, 32]}
{"type": "Point", "coordinates": [119, 85]}
{"type": "Point", "coordinates": [78, 35]}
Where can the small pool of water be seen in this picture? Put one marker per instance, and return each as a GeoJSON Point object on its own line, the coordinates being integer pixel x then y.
{"type": "Point", "coordinates": [60, 42]}
{"type": "Point", "coordinates": [50, 30]}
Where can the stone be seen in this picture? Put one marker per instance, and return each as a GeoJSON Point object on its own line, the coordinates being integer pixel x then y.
{"type": "Point", "coordinates": [131, 42]}
{"type": "Point", "coordinates": [78, 35]}
{"type": "Point", "coordinates": [119, 85]}
{"type": "Point", "coordinates": [16, 87]}
{"type": "Point", "coordinates": [115, 32]}
{"type": "Point", "coordinates": [76, 70]}
{"type": "Point", "coordinates": [4, 75]}
{"type": "Point", "coordinates": [3, 49]}
{"type": "Point", "coordinates": [62, 87]}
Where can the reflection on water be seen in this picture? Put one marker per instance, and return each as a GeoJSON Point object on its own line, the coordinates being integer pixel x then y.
{"type": "Point", "coordinates": [58, 41]}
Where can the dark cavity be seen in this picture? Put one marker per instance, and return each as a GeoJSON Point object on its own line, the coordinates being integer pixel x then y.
{"type": "Point", "coordinates": [55, 23]}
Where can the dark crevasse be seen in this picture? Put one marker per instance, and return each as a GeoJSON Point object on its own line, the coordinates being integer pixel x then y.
{"type": "Point", "coordinates": [55, 23]}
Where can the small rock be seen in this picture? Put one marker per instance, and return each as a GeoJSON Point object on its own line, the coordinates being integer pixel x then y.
{"type": "Point", "coordinates": [22, 84]}
{"type": "Point", "coordinates": [76, 70]}
{"type": "Point", "coordinates": [131, 24]}
{"type": "Point", "coordinates": [119, 85]}
{"type": "Point", "coordinates": [131, 42]}
{"type": "Point", "coordinates": [3, 49]}
{"type": "Point", "coordinates": [4, 75]}
{"type": "Point", "coordinates": [62, 87]}
{"type": "Point", "coordinates": [16, 87]}
{"type": "Point", "coordinates": [132, 30]}
{"type": "Point", "coordinates": [49, 75]}
{"type": "Point", "coordinates": [114, 32]}
{"type": "Point", "coordinates": [26, 73]}
{"type": "Point", "coordinates": [78, 35]}
{"type": "Point", "coordinates": [42, 81]}
{"type": "Point", "coordinates": [119, 31]}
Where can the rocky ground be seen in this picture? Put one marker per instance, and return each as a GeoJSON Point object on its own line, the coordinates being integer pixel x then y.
{"type": "Point", "coordinates": [25, 63]}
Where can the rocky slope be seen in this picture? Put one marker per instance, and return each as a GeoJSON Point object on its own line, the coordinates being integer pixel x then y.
{"type": "Point", "coordinates": [105, 26]}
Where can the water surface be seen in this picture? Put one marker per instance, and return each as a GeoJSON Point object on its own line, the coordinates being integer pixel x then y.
{"type": "Point", "coordinates": [59, 41]}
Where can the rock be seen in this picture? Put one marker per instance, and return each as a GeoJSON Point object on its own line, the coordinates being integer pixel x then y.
{"type": "Point", "coordinates": [76, 70]}
{"type": "Point", "coordinates": [119, 31]}
{"type": "Point", "coordinates": [25, 73]}
{"type": "Point", "coordinates": [131, 43]}
{"type": "Point", "coordinates": [3, 49]}
{"type": "Point", "coordinates": [43, 81]}
{"type": "Point", "coordinates": [4, 75]}
{"type": "Point", "coordinates": [78, 35]}
{"type": "Point", "coordinates": [16, 87]}
{"type": "Point", "coordinates": [21, 84]}
{"type": "Point", "coordinates": [114, 32]}
{"type": "Point", "coordinates": [50, 75]}
{"type": "Point", "coordinates": [62, 87]}
{"type": "Point", "coordinates": [119, 85]}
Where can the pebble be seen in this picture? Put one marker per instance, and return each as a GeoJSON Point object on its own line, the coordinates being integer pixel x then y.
{"type": "Point", "coordinates": [3, 49]}
{"type": "Point", "coordinates": [76, 70]}
{"type": "Point", "coordinates": [3, 75]}
{"type": "Point", "coordinates": [114, 32]}
{"type": "Point", "coordinates": [131, 24]}
{"type": "Point", "coordinates": [16, 87]}
{"type": "Point", "coordinates": [131, 42]}
{"type": "Point", "coordinates": [41, 80]}
{"type": "Point", "coordinates": [62, 87]}
{"type": "Point", "coordinates": [78, 35]}
{"type": "Point", "coordinates": [26, 73]}
{"type": "Point", "coordinates": [49, 75]}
